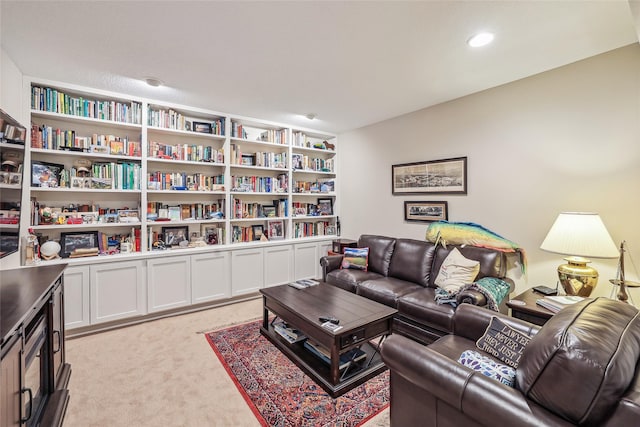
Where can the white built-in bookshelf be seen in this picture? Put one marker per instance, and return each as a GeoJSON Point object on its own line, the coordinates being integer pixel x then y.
{"type": "Point", "coordinates": [120, 168]}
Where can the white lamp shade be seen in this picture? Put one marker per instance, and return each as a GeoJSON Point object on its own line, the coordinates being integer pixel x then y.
{"type": "Point", "coordinates": [580, 234]}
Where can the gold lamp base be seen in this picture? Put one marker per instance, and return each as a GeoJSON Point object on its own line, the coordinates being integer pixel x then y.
{"type": "Point", "coordinates": [576, 278]}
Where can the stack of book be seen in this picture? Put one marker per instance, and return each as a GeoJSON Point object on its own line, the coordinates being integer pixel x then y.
{"type": "Point", "coordinates": [323, 354]}
{"type": "Point", "coordinates": [290, 334]}
{"type": "Point", "coordinates": [556, 303]}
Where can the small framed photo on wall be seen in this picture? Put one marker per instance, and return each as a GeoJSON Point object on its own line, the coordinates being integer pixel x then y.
{"type": "Point", "coordinates": [426, 211]}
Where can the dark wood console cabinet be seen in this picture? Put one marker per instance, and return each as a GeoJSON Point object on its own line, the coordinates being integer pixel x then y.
{"type": "Point", "coordinates": [33, 372]}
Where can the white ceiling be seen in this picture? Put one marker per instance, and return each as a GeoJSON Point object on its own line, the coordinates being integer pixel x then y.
{"type": "Point", "coordinates": [351, 63]}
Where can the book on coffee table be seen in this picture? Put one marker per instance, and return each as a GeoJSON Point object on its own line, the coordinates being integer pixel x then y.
{"type": "Point", "coordinates": [303, 283]}
{"type": "Point", "coordinates": [323, 354]}
{"type": "Point", "coordinates": [558, 302]}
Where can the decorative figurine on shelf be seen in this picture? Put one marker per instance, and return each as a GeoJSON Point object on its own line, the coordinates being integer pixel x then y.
{"type": "Point", "coordinates": [50, 250]}
{"type": "Point", "coordinates": [328, 145]}
{"type": "Point", "coordinates": [31, 252]}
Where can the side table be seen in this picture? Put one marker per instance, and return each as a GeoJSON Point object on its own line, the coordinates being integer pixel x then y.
{"type": "Point", "coordinates": [524, 307]}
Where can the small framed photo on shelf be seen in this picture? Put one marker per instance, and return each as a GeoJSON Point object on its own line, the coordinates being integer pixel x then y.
{"type": "Point", "coordinates": [45, 174]}
{"type": "Point", "coordinates": [276, 229]}
{"type": "Point", "coordinates": [202, 127]}
{"type": "Point", "coordinates": [78, 182]}
{"type": "Point", "coordinates": [172, 236]}
{"type": "Point", "coordinates": [269, 211]}
{"type": "Point", "coordinates": [258, 231]}
{"type": "Point", "coordinates": [331, 230]}
{"type": "Point", "coordinates": [426, 211]}
{"type": "Point", "coordinates": [325, 206]}
{"type": "Point", "coordinates": [78, 242]}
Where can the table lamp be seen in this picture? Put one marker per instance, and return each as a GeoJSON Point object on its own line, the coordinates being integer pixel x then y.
{"type": "Point", "coordinates": [580, 235]}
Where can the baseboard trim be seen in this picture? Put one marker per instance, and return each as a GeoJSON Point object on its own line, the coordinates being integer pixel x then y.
{"type": "Point", "coordinates": [123, 323]}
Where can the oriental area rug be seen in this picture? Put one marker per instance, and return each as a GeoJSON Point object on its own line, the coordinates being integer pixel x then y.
{"type": "Point", "coordinates": [280, 394]}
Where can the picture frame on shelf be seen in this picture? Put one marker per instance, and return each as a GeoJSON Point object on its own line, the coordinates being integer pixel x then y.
{"type": "Point", "coordinates": [275, 229]}
{"type": "Point", "coordinates": [331, 230]}
{"type": "Point", "coordinates": [78, 182]}
{"type": "Point", "coordinates": [258, 231]}
{"type": "Point", "coordinates": [172, 236]}
{"type": "Point", "coordinates": [45, 175]}
{"type": "Point", "coordinates": [9, 242]}
{"type": "Point", "coordinates": [201, 127]}
{"type": "Point", "coordinates": [426, 211]}
{"type": "Point", "coordinates": [72, 241]}
{"type": "Point", "coordinates": [269, 211]}
{"type": "Point", "coordinates": [325, 206]}
{"type": "Point", "coordinates": [447, 176]}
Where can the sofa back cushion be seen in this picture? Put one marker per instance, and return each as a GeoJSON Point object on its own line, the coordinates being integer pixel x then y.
{"type": "Point", "coordinates": [582, 360]}
{"type": "Point", "coordinates": [380, 250]}
{"type": "Point", "coordinates": [411, 261]}
{"type": "Point", "coordinates": [492, 262]}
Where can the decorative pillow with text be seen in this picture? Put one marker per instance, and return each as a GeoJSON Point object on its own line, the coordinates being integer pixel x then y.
{"type": "Point", "coordinates": [456, 271]}
{"type": "Point", "coordinates": [503, 342]}
{"type": "Point", "coordinates": [356, 258]}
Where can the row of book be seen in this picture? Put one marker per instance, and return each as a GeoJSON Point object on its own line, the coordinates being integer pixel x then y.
{"type": "Point", "coordinates": [187, 152]}
{"type": "Point", "coordinates": [10, 133]}
{"type": "Point", "coordinates": [171, 119]}
{"type": "Point", "coordinates": [262, 159]}
{"type": "Point", "coordinates": [47, 138]}
{"type": "Point", "coordinates": [556, 303]}
{"type": "Point", "coordinates": [317, 228]}
{"type": "Point", "coordinates": [123, 175]}
{"type": "Point", "coordinates": [318, 186]}
{"type": "Point", "coordinates": [52, 100]}
{"type": "Point", "coordinates": [184, 211]}
{"type": "Point", "coordinates": [184, 181]}
{"type": "Point", "coordinates": [246, 233]}
{"type": "Point", "coordinates": [307, 163]}
{"type": "Point", "coordinates": [260, 184]}
{"type": "Point", "coordinates": [243, 209]}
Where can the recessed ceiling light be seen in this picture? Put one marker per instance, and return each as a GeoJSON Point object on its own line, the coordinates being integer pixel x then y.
{"type": "Point", "coordinates": [311, 116]}
{"type": "Point", "coordinates": [480, 39]}
{"type": "Point", "coordinates": [153, 81]}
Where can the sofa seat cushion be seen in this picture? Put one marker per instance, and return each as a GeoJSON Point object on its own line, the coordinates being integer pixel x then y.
{"type": "Point", "coordinates": [420, 306]}
{"type": "Point", "coordinates": [582, 360]}
{"type": "Point", "coordinates": [386, 290]}
{"type": "Point", "coordinates": [348, 279]}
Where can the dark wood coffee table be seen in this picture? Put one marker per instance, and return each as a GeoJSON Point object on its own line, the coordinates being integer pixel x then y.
{"type": "Point", "coordinates": [361, 319]}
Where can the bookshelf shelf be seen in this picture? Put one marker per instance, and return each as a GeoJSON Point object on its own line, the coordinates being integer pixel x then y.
{"type": "Point", "coordinates": [99, 123]}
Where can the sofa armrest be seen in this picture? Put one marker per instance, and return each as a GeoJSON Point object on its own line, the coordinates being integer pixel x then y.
{"type": "Point", "coordinates": [485, 400]}
{"type": "Point", "coordinates": [330, 263]}
{"type": "Point", "coordinates": [470, 321]}
{"type": "Point", "coordinates": [471, 296]}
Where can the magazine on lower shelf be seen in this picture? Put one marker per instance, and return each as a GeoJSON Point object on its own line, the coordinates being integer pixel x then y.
{"type": "Point", "coordinates": [290, 334]}
{"type": "Point", "coordinates": [304, 283]}
{"type": "Point", "coordinates": [556, 303]}
{"type": "Point", "coordinates": [323, 354]}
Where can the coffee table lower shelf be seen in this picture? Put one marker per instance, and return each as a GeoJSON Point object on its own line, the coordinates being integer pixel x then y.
{"type": "Point", "coordinates": [320, 371]}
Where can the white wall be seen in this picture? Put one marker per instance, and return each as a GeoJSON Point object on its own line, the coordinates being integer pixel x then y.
{"type": "Point", "coordinates": [11, 88]}
{"type": "Point", "coordinates": [564, 140]}
{"type": "Point", "coordinates": [11, 102]}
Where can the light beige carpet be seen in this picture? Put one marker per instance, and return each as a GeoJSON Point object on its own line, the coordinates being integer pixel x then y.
{"type": "Point", "coordinates": [160, 373]}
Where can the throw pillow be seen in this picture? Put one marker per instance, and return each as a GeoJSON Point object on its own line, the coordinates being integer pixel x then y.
{"type": "Point", "coordinates": [356, 258]}
{"type": "Point", "coordinates": [487, 366]}
{"type": "Point", "coordinates": [503, 342]}
{"type": "Point", "coordinates": [456, 271]}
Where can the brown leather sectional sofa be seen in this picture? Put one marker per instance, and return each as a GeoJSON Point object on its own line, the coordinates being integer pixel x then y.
{"type": "Point", "coordinates": [581, 368]}
{"type": "Point", "coordinates": [401, 274]}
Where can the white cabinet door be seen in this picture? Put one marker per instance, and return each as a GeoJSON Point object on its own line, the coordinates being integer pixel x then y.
{"type": "Point", "coordinates": [247, 271]}
{"type": "Point", "coordinates": [118, 291]}
{"type": "Point", "coordinates": [278, 265]}
{"type": "Point", "coordinates": [76, 297]}
{"type": "Point", "coordinates": [306, 258]}
{"type": "Point", "coordinates": [169, 282]}
{"type": "Point", "coordinates": [210, 278]}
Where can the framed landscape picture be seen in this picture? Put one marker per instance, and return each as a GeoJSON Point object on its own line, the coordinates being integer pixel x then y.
{"type": "Point", "coordinates": [71, 241]}
{"type": "Point", "coordinates": [448, 176]}
{"type": "Point", "coordinates": [426, 211]}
